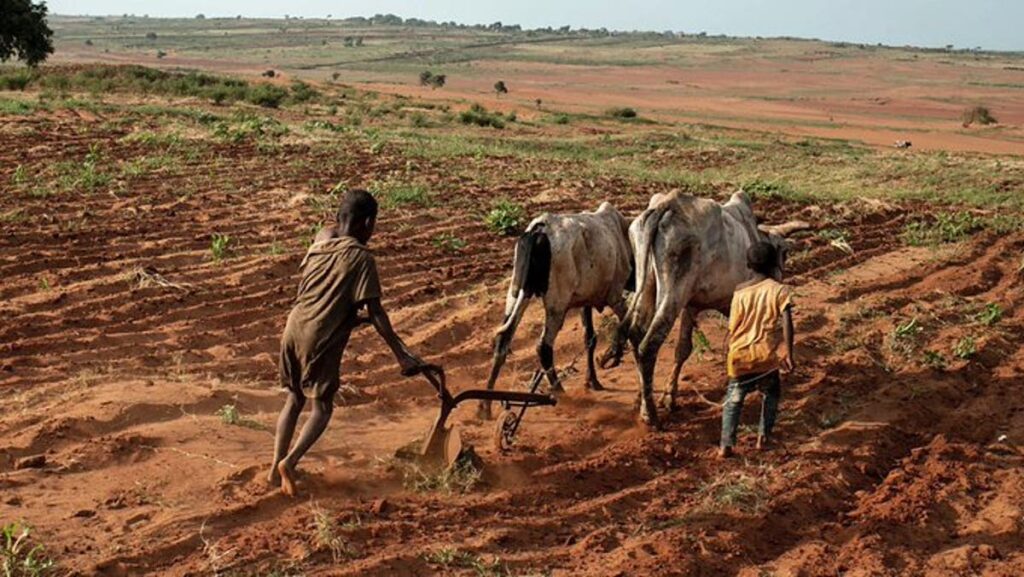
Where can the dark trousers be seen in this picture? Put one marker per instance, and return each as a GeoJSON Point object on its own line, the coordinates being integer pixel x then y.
{"type": "Point", "coordinates": [739, 388]}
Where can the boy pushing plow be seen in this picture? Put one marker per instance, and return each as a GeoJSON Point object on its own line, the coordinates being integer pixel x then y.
{"type": "Point", "coordinates": [339, 278]}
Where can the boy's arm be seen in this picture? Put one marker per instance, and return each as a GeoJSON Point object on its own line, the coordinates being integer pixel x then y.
{"type": "Point", "coordinates": [409, 362]}
{"type": "Point", "coordinates": [788, 364]}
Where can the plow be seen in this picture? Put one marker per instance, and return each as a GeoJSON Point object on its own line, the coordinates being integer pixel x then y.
{"type": "Point", "coordinates": [443, 444]}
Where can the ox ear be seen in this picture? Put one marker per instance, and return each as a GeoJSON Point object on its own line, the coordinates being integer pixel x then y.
{"type": "Point", "coordinates": [784, 229]}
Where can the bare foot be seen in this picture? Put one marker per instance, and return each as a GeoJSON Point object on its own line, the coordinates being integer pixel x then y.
{"type": "Point", "coordinates": [763, 444]}
{"type": "Point", "coordinates": [287, 479]}
{"type": "Point", "coordinates": [725, 452]}
{"type": "Point", "coordinates": [273, 477]}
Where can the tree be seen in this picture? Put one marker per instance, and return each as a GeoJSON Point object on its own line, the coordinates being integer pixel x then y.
{"type": "Point", "coordinates": [500, 88]}
{"type": "Point", "coordinates": [24, 33]}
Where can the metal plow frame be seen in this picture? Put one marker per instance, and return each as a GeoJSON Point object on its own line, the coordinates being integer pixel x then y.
{"type": "Point", "coordinates": [442, 445]}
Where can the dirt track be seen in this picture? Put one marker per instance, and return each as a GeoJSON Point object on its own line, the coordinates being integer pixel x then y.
{"type": "Point", "coordinates": [887, 466]}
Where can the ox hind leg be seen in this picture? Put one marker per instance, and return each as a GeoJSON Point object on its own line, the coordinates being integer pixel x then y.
{"type": "Point", "coordinates": [555, 317]}
{"type": "Point", "coordinates": [680, 289]}
{"type": "Point", "coordinates": [590, 340]}
{"type": "Point", "coordinates": [683, 350]}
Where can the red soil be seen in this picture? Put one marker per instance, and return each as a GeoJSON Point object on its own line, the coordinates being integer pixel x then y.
{"type": "Point", "coordinates": [886, 467]}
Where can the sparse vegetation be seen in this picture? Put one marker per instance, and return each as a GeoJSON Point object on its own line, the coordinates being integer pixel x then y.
{"type": "Point", "coordinates": [480, 116]}
{"type": "Point", "coordinates": [449, 558]}
{"type": "Point", "coordinates": [20, 558]}
{"type": "Point", "coordinates": [448, 242]}
{"type": "Point", "coordinates": [945, 228]}
{"type": "Point", "coordinates": [978, 115]}
{"type": "Point", "coordinates": [326, 537]}
{"type": "Point", "coordinates": [506, 217]}
{"type": "Point", "coordinates": [935, 360]}
{"type": "Point", "coordinates": [740, 491]}
{"type": "Point", "coordinates": [460, 478]}
{"type": "Point", "coordinates": [622, 112]}
{"type": "Point", "coordinates": [428, 78]}
{"type": "Point", "coordinates": [220, 246]}
{"type": "Point", "coordinates": [990, 315]}
{"type": "Point", "coordinates": [230, 415]}
{"type": "Point", "coordinates": [394, 195]}
{"type": "Point", "coordinates": [965, 348]}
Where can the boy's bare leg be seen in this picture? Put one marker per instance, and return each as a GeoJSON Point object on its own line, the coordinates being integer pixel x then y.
{"type": "Point", "coordinates": [285, 431]}
{"type": "Point", "coordinates": [311, 431]}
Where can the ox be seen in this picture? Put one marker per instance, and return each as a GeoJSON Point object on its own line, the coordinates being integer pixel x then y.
{"type": "Point", "coordinates": [690, 256]}
{"type": "Point", "coordinates": [570, 261]}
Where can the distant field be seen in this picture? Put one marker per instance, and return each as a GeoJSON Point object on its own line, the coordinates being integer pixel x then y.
{"type": "Point", "coordinates": [866, 94]}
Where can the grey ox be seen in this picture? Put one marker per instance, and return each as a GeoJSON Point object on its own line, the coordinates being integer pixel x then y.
{"type": "Point", "coordinates": [570, 261]}
{"type": "Point", "coordinates": [690, 256]}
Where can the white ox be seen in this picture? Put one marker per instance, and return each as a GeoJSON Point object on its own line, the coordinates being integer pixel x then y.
{"type": "Point", "coordinates": [570, 261]}
{"type": "Point", "coordinates": [691, 253]}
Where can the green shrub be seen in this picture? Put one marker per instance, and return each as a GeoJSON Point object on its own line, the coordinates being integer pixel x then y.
{"type": "Point", "coordinates": [479, 116]}
{"type": "Point", "coordinates": [978, 115]}
{"type": "Point", "coordinates": [15, 79]}
{"type": "Point", "coordinates": [623, 112]}
{"type": "Point", "coordinates": [506, 217]}
{"type": "Point", "coordinates": [302, 92]}
{"type": "Point", "coordinates": [267, 95]}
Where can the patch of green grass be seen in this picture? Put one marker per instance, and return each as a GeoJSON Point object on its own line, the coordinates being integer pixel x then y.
{"type": "Point", "coordinates": [449, 242]}
{"type": "Point", "coordinates": [16, 107]}
{"type": "Point", "coordinates": [505, 218]}
{"type": "Point", "coordinates": [701, 344]}
{"type": "Point", "coordinates": [945, 228]}
{"type": "Point", "coordinates": [220, 246]}
{"type": "Point", "coordinates": [990, 315]}
{"type": "Point", "coordinates": [965, 348]}
{"type": "Point", "coordinates": [449, 558]}
{"type": "Point", "coordinates": [393, 195]}
{"type": "Point", "coordinates": [19, 557]}
{"type": "Point", "coordinates": [247, 126]}
{"type": "Point", "coordinates": [935, 360]}
{"type": "Point", "coordinates": [230, 415]}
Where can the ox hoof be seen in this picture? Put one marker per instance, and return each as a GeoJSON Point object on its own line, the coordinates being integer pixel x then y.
{"type": "Point", "coordinates": [649, 415]}
{"type": "Point", "coordinates": [594, 384]}
{"type": "Point", "coordinates": [609, 361]}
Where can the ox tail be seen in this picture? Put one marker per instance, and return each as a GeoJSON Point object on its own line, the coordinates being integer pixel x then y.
{"type": "Point", "coordinates": [645, 261]}
{"type": "Point", "coordinates": [531, 274]}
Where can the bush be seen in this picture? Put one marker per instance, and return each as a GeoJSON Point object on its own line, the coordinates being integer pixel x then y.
{"type": "Point", "coordinates": [15, 79]}
{"type": "Point", "coordinates": [302, 92]}
{"type": "Point", "coordinates": [479, 116]}
{"type": "Point", "coordinates": [978, 115]}
{"type": "Point", "coordinates": [624, 112]}
{"type": "Point", "coordinates": [267, 95]}
{"type": "Point", "coordinates": [505, 218]}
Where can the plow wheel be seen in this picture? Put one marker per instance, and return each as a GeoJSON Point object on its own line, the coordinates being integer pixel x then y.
{"type": "Point", "coordinates": [505, 430]}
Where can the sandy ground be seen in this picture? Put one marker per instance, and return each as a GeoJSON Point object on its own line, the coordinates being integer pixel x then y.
{"type": "Point", "coordinates": [113, 449]}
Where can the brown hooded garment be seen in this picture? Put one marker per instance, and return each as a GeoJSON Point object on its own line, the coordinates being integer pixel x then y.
{"type": "Point", "coordinates": [338, 276]}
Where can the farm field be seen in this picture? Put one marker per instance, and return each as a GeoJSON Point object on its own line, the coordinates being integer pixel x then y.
{"type": "Point", "coordinates": [154, 224]}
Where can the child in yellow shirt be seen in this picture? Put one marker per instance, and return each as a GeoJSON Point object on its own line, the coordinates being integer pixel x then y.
{"type": "Point", "coordinates": [760, 343]}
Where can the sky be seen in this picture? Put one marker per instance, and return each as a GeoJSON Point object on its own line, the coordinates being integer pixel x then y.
{"type": "Point", "coordinates": [990, 24]}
